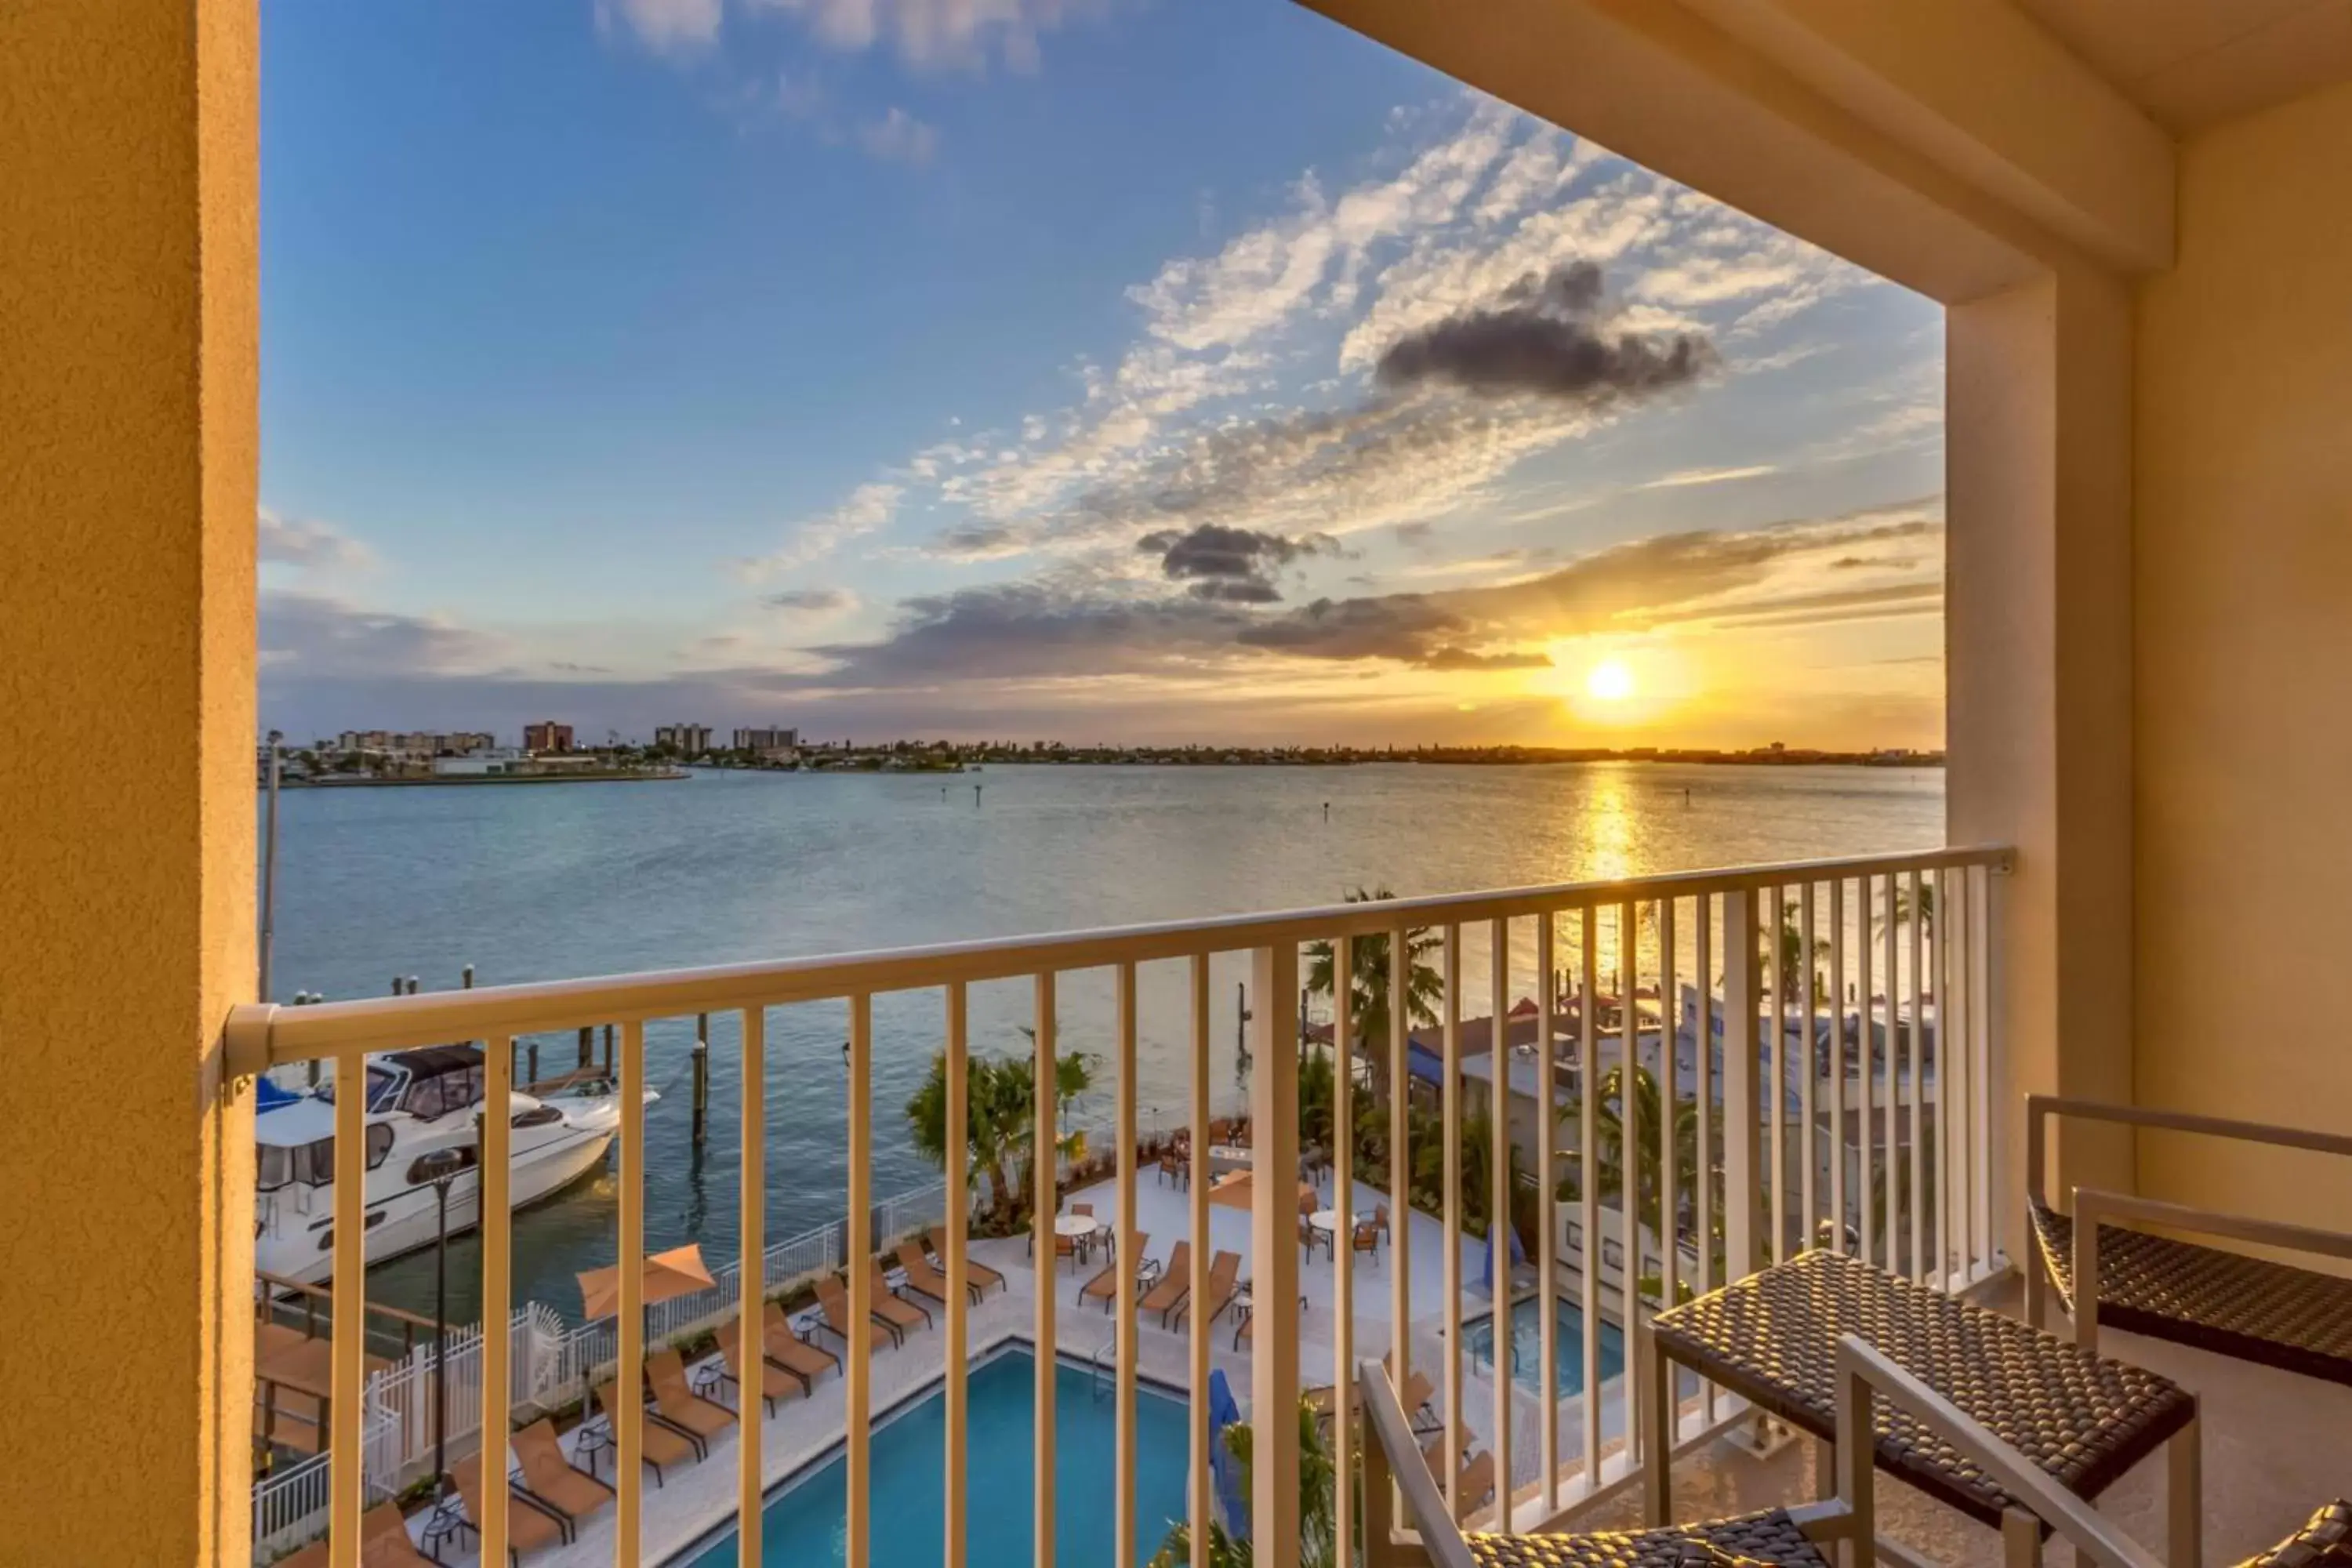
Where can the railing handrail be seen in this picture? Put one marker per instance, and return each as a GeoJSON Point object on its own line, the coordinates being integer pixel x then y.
{"type": "Point", "coordinates": [263, 1035]}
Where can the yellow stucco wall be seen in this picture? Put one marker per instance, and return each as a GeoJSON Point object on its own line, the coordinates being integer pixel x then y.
{"type": "Point", "coordinates": [2243, 580]}
{"type": "Point", "coordinates": [128, 426]}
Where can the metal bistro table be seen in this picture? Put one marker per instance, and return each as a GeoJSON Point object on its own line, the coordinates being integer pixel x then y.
{"type": "Point", "coordinates": [2082, 1419]}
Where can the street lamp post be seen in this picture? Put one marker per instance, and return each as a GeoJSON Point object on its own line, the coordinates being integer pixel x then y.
{"type": "Point", "coordinates": [440, 1168]}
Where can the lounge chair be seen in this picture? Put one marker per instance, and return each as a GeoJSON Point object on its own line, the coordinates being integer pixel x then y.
{"type": "Point", "coordinates": [1104, 1287]}
{"type": "Point", "coordinates": [2227, 1302]}
{"type": "Point", "coordinates": [680, 1405]}
{"type": "Point", "coordinates": [1791, 1537]}
{"type": "Point", "coordinates": [980, 1274]}
{"type": "Point", "coordinates": [1225, 1284]}
{"type": "Point", "coordinates": [776, 1384]}
{"type": "Point", "coordinates": [930, 1281]}
{"type": "Point", "coordinates": [553, 1479]}
{"type": "Point", "coordinates": [794, 1354]}
{"type": "Point", "coordinates": [660, 1444]}
{"type": "Point", "coordinates": [383, 1543]}
{"type": "Point", "coordinates": [530, 1524]}
{"type": "Point", "coordinates": [833, 1297]}
{"type": "Point", "coordinates": [1175, 1283]}
{"type": "Point", "coordinates": [905, 1314]}
{"type": "Point", "coordinates": [1474, 1483]}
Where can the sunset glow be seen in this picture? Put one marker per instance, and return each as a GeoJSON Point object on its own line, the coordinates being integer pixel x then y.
{"type": "Point", "coordinates": [1609, 681]}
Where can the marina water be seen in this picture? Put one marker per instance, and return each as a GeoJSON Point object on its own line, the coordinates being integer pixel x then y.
{"type": "Point", "coordinates": [557, 881]}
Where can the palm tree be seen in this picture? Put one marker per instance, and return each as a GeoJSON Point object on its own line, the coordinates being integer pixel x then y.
{"type": "Point", "coordinates": [1368, 961]}
{"type": "Point", "coordinates": [1791, 980]}
{"type": "Point", "coordinates": [1000, 1120]}
{"type": "Point", "coordinates": [1609, 1144]}
{"type": "Point", "coordinates": [1318, 1519]}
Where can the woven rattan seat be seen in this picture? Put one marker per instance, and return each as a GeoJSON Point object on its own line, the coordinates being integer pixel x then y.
{"type": "Point", "coordinates": [2323, 1541]}
{"type": "Point", "coordinates": [2227, 1302]}
{"type": "Point", "coordinates": [1770, 1537]}
{"type": "Point", "coordinates": [1772, 1338]}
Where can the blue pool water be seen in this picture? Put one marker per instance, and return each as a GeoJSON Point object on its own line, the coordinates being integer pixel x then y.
{"type": "Point", "coordinates": [1526, 1345]}
{"type": "Point", "coordinates": [802, 1526]}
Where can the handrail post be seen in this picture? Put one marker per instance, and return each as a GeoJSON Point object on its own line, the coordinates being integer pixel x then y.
{"type": "Point", "coordinates": [1742, 1106]}
{"type": "Point", "coordinates": [1274, 1245]}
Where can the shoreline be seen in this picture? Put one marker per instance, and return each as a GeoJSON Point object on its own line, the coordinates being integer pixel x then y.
{"type": "Point", "coordinates": [673, 776]}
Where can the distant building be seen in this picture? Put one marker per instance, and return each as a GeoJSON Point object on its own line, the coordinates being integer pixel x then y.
{"type": "Point", "coordinates": [483, 760]}
{"type": "Point", "coordinates": [767, 739]}
{"type": "Point", "coordinates": [547, 736]}
{"type": "Point", "coordinates": [690, 739]}
{"type": "Point", "coordinates": [420, 745]}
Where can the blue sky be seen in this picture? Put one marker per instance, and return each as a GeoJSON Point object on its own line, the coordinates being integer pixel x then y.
{"type": "Point", "coordinates": [1104, 369]}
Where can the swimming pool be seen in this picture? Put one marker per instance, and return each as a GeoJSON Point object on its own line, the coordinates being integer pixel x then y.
{"type": "Point", "coordinates": [803, 1525]}
{"type": "Point", "coordinates": [1526, 1345]}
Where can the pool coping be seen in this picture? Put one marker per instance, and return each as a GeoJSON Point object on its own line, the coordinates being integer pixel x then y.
{"type": "Point", "coordinates": [995, 1350]}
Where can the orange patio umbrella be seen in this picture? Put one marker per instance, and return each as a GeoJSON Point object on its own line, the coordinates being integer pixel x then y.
{"type": "Point", "coordinates": [677, 1272]}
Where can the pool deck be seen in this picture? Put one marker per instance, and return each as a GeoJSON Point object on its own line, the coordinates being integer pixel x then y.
{"type": "Point", "coordinates": [698, 1498]}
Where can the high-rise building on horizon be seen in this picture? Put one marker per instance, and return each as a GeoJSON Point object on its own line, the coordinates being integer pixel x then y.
{"type": "Point", "coordinates": [689, 740]}
{"type": "Point", "coordinates": [547, 736]}
{"type": "Point", "coordinates": [750, 740]}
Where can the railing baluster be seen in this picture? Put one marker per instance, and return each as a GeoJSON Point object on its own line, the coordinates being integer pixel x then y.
{"type": "Point", "coordinates": [750, 1286]}
{"type": "Point", "coordinates": [1837, 1062]}
{"type": "Point", "coordinates": [1942, 1104]}
{"type": "Point", "coordinates": [1046, 1203]}
{"type": "Point", "coordinates": [1743, 961]}
{"type": "Point", "coordinates": [347, 1328]}
{"type": "Point", "coordinates": [1920, 1195]}
{"type": "Point", "coordinates": [1669, 1108]}
{"type": "Point", "coordinates": [1808, 1067]}
{"type": "Point", "coordinates": [1776, 1043]}
{"type": "Point", "coordinates": [1450, 1103]}
{"type": "Point", "coordinates": [1343, 1247]}
{"type": "Point", "coordinates": [1124, 1259]}
{"type": "Point", "coordinates": [1201, 1500]}
{"type": "Point", "coordinates": [1629, 1157]}
{"type": "Point", "coordinates": [1982, 958]}
{"type": "Point", "coordinates": [1401, 1209]}
{"type": "Point", "coordinates": [1499, 1206]}
{"type": "Point", "coordinates": [1274, 1245]}
{"type": "Point", "coordinates": [498, 1259]}
{"type": "Point", "coordinates": [1891, 1260]}
{"type": "Point", "coordinates": [1588, 1196]}
{"type": "Point", "coordinates": [1548, 1206]}
{"type": "Point", "coordinates": [629, 1440]}
{"type": "Point", "coordinates": [1868, 1124]}
{"type": "Point", "coordinates": [1703, 1064]}
{"type": "Point", "coordinates": [958, 1216]}
{"type": "Point", "coordinates": [857, 1245]}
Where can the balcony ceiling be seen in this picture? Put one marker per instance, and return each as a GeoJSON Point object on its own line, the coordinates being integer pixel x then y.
{"type": "Point", "coordinates": [2194, 63]}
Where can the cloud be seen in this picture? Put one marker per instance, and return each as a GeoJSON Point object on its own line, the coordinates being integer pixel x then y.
{"type": "Point", "coordinates": [936, 33]}
{"type": "Point", "coordinates": [870, 507]}
{"type": "Point", "coordinates": [665, 27]}
{"type": "Point", "coordinates": [1234, 565]}
{"type": "Point", "coordinates": [899, 137]}
{"type": "Point", "coordinates": [1543, 337]}
{"type": "Point", "coordinates": [812, 600]}
{"type": "Point", "coordinates": [315, 550]}
{"type": "Point", "coordinates": [306, 635]}
{"type": "Point", "coordinates": [1684, 478]}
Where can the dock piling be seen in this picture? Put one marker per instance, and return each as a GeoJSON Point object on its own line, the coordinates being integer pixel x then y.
{"type": "Point", "coordinates": [701, 1076]}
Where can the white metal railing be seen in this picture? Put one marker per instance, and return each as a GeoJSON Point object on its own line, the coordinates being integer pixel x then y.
{"type": "Point", "coordinates": [1834, 1078]}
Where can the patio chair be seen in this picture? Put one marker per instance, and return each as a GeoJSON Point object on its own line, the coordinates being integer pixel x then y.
{"type": "Point", "coordinates": [383, 1543]}
{"type": "Point", "coordinates": [1225, 1284]}
{"type": "Point", "coordinates": [1366, 1237]}
{"type": "Point", "coordinates": [1790, 1537]}
{"type": "Point", "coordinates": [1473, 1481]}
{"type": "Point", "coordinates": [1104, 1286]}
{"type": "Point", "coordinates": [1175, 1284]}
{"type": "Point", "coordinates": [530, 1524]}
{"type": "Point", "coordinates": [660, 1444]}
{"type": "Point", "coordinates": [776, 1384]}
{"type": "Point", "coordinates": [678, 1403]}
{"type": "Point", "coordinates": [2232, 1304]}
{"type": "Point", "coordinates": [552, 1478]}
{"type": "Point", "coordinates": [833, 1297]}
{"type": "Point", "coordinates": [921, 1276]}
{"type": "Point", "coordinates": [980, 1274]}
{"type": "Point", "coordinates": [905, 1314]}
{"type": "Point", "coordinates": [789, 1350]}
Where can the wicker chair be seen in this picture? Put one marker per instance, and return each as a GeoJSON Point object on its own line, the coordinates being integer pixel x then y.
{"type": "Point", "coordinates": [1791, 1538]}
{"type": "Point", "coordinates": [2204, 1296]}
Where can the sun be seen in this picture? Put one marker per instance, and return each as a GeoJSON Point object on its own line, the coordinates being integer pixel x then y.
{"type": "Point", "coordinates": [1609, 681]}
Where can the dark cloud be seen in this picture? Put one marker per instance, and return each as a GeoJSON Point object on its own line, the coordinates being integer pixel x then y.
{"type": "Point", "coordinates": [1464, 658]}
{"type": "Point", "coordinates": [305, 635]}
{"type": "Point", "coordinates": [809, 599]}
{"type": "Point", "coordinates": [1234, 565]}
{"type": "Point", "coordinates": [1544, 336]}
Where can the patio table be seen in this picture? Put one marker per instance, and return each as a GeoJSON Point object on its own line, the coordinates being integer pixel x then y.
{"type": "Point", "coordinates": [1772, 1338]}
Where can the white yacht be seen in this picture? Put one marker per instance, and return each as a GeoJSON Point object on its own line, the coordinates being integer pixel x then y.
{"type": "Point", "coordinates": [418, 1101]}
